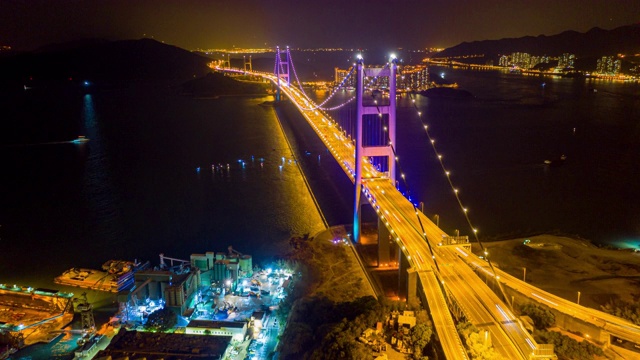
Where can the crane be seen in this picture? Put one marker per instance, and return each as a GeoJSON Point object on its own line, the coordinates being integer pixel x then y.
{"type": "Point", "coordinates": [232, 251]}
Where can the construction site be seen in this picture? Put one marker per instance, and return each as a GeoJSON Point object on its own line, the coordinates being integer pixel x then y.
{"type": "Point", "coordinates": [214, 292]}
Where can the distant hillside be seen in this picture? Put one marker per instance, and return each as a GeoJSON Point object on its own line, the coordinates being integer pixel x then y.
{"type": "Point", "coordinates": [104, 61]}
{"type": "Point", "coordinates": [594, 43]}
{"type": "Point", "coordinates": [216, 84]}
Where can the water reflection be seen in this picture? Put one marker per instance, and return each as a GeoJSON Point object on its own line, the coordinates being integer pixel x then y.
{"type": "Point", "coordinates": [97, 181]}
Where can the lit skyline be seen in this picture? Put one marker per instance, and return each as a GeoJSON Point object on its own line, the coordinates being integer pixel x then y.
{"type": "Point", "coordinates": [412, 24]}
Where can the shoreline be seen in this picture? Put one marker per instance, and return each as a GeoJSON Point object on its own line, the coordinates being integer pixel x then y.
{"type": "Point", "coordinates": [304, 177]}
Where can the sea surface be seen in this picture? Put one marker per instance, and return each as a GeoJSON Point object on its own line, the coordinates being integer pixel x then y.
{"type": "Point", "coordinates": [162, 173]}
{"type": "Point", "coordinates": [165, 173]}
{"type": "Point", "coordinates": [495, 146]}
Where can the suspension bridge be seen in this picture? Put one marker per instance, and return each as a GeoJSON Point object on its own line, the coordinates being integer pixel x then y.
{"type": "Point", "coordinates": [438, 268]}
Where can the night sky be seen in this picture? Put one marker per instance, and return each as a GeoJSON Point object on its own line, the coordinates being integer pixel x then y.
{"type": "Point", "coordinates": [194, 24]}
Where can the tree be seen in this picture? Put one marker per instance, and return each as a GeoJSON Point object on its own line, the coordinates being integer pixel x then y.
{"type": "Point", "coordinates": [566, 347]}
{"type": "Point", "coordinates": [161, 320]}
{"type": "Point", "coordinates": [414, 304]}
{"type": "Point", "coordinates": [340, 343]}
{"type": "Point", "coordinates": [420, 336]}
{"type": "Point", "coordinates": [477, 345]}
{"type": "Point", "coordinates": [481, 349]}
{"type": "Point", "coordinates": [623, 309]}
{"type": "Point", "coordinates": [542, 317]}
{"type": "Point", "coordinates": [422, 317]}
{"type": "Point", "coordinates": [298, 337]}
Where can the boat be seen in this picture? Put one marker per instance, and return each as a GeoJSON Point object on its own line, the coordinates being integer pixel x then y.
{"type": "Point", "coordinates": [117, 276]}
{"type": "Point", "coordinates": [80, 140]}
{"type": "Point", "coordinates": [556, 161]}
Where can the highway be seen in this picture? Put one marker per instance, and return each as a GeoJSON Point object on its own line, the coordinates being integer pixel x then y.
{"type": "Point", "coordinates": [614, 325]}
{"type": "Point", "coordinates": [482, 307]}
{"type": "Point", "coordinates": [343, 151]}
{"type": "Point", "coordinates": [409, 229]}
{"type": "Point", "coordinates": [480, 304]}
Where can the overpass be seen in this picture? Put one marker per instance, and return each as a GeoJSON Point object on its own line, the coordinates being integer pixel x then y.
{"type": "Point", "coordinates": [446, 273]}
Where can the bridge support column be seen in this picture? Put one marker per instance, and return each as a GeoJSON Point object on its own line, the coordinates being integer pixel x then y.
{"type": "Point", "coordinates": [385, 149]}
{"type": "Point", "coordinates": [281, 70]}
{"type": "Point", "coordinates": [247, 64]}
{"type": "Point", "coordinates": [412, 285]}
{"type": "Point", "coordinates": [358, 156]}
{"type": "Point", "coordinates": [384, 256]}
{"type": "Point", "coordinates": [403, 266]}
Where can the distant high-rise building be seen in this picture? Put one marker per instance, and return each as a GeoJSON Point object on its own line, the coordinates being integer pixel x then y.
{"type": "Point", "coordinates": [340, 74]}
{"type": "Point", "coordinates": [520, 60]}
{"type": "Point", "coordinates": [601, 64]}
{"type": "Point", "coordinates": [566, 60]}
{"type": "Point", "coordinates": [533, 61]}
{"type": "Point", "coordinates": [616, 67]}
{"type": "Point", "coordinates": [504, 61]}
{"type": "Point", "coordinates": [413, 78]}
{"type": "Point", "coordinates": [606, 65]}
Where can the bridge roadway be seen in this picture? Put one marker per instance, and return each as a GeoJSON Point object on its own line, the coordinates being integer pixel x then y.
{"type": "Point", "coordinates": [479, 304]}
{"type": "Point", "coordinates": [614, 325]}
{"type": "Point", "coordinates": [343, 151]}
{"type": "Point", "coordinates": [507, 336]}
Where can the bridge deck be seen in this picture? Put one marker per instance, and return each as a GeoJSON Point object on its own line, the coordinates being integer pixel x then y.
{"type": "Point", "coordinates": [479, 304]}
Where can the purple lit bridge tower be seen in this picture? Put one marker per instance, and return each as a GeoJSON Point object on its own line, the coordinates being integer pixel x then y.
{"type": "Point", "coordinates": [381, 116]}
{"type": "Point", "coordinates": [282, 69]}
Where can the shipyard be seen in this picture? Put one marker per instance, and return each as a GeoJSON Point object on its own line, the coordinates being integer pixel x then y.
{"type": "Point", "coordinates": [213, 293]}
{"type": "Point", "coordinates": [29, 316]}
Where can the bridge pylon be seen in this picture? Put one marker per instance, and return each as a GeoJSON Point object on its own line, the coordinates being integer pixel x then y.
{"type": "Point", "coordinates": [247, 63]}
{"type": "Point", "coordinates": [226, 63]}
{"type": "Point", "coordinates": [282, 69]}
{"type": "Point", "coordinates": [382, 150]}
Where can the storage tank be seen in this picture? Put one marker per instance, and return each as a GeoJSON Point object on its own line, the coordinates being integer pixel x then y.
{"type": "Point", "coordinates": [246, 264]}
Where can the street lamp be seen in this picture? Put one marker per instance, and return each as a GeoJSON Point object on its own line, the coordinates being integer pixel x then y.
{"type": "Point", "coordinates": [524, 274]}
{"type": "Point", "coordinates": [578, 302]}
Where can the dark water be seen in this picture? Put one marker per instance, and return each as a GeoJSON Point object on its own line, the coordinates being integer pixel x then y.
{"type": "Point", "coordinates": [133, 191]}
{"type": "Point", "coordinates": [495, 146]}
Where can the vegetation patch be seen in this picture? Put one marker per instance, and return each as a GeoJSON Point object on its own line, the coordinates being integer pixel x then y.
{"type": "Point", "coordinates": [623, 309]}
{"type": "Point", "coordinates": [542, 317]}
{"type": "Point", "coordinates": [566, 347]}
{"type": "Point", "coordinates": [478, 346]}
{"type": "Point", "coordinates": [329, 308]}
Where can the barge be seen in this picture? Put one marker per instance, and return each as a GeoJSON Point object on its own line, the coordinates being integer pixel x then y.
{"type": "Point", "coordinates": [116, 276]}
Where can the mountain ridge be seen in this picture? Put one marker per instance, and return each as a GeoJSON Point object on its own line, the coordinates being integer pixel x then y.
{"type": "Point", "coordinates": [104, 61]}
{"type": "Point", "coordinates": [596, 42]}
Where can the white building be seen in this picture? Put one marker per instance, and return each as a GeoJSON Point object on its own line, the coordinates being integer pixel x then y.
{"type": "Point", "coordinates": [235, 329]}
